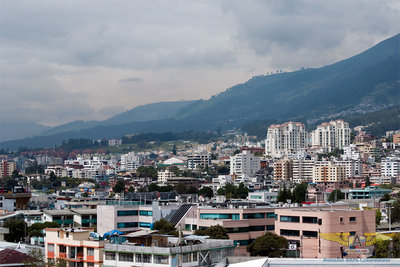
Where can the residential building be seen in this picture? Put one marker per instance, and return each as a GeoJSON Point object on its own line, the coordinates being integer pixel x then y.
{"type": "Point", "coordinates": [352, 168]}
{"type": "Point", "coordinates": [331, 135]}
{"type": "Point", "coordinates": [73, 245]}
{"type": "Point", "coordinates": [390, 166]}
{"type": "Point", "coordinates": [85, 217]}
{"type": "Point", "coordinates": [244, 163]}
{"type": "Point", "coordinates": [326, 233]}
{"type": "Point", "coordinates": [283, 170]}
{"type": "Point", "coordinates": [163, 176]}
{"type": "Point", "coordinates": [286, 139]}
{"type": "Point", "coordinates": [7, 168]}
{"type": "Point", "coordinates": [263, 196]}
{"type": "Point", "coordinates": [198, 161]}
{"type": "Point", "coordinates": [65, 218]}
{"type": "Point", "coordinates": [327, 171]}
{"type": "Point", "coordinates": [302, 170]}
{"type": "Point", "coordinates": [320, 191]}
{"type": "Point", "coordinates": [368, 192]}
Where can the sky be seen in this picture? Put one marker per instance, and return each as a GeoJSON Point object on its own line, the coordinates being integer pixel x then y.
{"type": "Point", "coordinates": [62, 61]}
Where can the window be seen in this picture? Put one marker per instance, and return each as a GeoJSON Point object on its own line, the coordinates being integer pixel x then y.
{"type": "Point", "coordinates": [352, 219]}
{"type": "Point", "coordinates": [270, 215]}
{"type": "Point", "coordinates": [127, 212]}
{"type": "Point", "coordinates": [63, 249]}
{"type": "Point", "coordinates": [146, 213]}
{"type": "Point", "coordinates": [126, 257]}
{"type": "Point", "coordinates": [341, 219]}
{"type": "Point", "coordinates": [147, 258]}
{"type": "Point", "coordinates": [310, 233]}
{"type": "Point", "coordinates": [310, 220]}
{"type": "Point", "coordinates": [110, 256]}
{"type": "Point", "coordinates": [290, 219]}
{"type": "Point", "coordinates": [90, 251]}
{"type": "Point", "coordinates": [270, 227]}
{"type": "Point", "coordinates": [161, 259]}
{"type": "Point", "coordinates": [90, 264]}
{"type": "Point", "coordinates": [50, 247]}
{"type": "Point", "coordinates": [287, 232]}
{"type": "Point", "coordinates": [194, 226]}
{"type": "Point", "coordinates": [253, 215]}
{"type": "Point", "coordinates": [127, 225]}
{"type": "Point", "coordinates": [215, 216]}
{"type": "Point", "coordinates": [353, 233]}
{"type": "Point", "coordinates": [194, 256]}
{"type": "Point", "coordinates": [186, 257]}
{"type": "Point", "coordinates": [241, 242]}
{"type": "Point", "coordinates": [237, 230]}
{"type": "Point", "coordinates": [66, 234]}
{"type": "Point", "coordinates": [145, 225]}
{"type": "Point", "coordinates": [187, 227]}
{"type": "Point", "coordinates": [257, 228]}
{"type": "Point", "coordinates": [138, 258]}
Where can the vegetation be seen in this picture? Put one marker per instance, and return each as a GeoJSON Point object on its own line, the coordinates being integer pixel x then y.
{"type": "Point", "coordinates": [206, 192]}
{"type": "Point", "coordinates": [300, 193]}
{"type": "Point", "coordinates": [119, 186]}
{"type": "Point", "coordinates": [395, 211]}
{"type": "Point", "coordinates": [232, 191]}
{"type": "Point", "coordinates": [214, 232]}
{"type": "Point", "coordinates": [17, 230]}
{"type": "Point", "coordinates": [164, 227]}
{"type": "Point", "coordinates": [336, 195]}
{"type": "Point", "coordinates": [378, 216]}
{"type": "Point", "coordinates": [36, 229]}
{"type": "Point", "coordinates": [383, 248]}
{"type": "Point", "coordinates": [147, 171]}
{"type": "Point", "coordinates": [284, 194]}
{"type": "Point", "coordinates": [269, 245]}
{"type": "Point", "coordinates": [36, 258]}
{"type": "Point", "coordinates": [155, 187]}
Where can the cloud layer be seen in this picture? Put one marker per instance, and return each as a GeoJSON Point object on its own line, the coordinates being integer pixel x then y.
{"type": "Point", "coordinates": [67, 60]}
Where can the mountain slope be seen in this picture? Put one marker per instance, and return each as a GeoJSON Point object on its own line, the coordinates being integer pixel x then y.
{"type": "Point", "coordinates": [16, 130]}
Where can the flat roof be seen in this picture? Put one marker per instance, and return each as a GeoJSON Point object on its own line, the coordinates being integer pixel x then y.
{"type": "Point", "coordinates": [58, 212]}
{"type": "Point", "coordinates": [85, 211]}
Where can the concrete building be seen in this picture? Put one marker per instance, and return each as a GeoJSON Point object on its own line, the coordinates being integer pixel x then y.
{"type": "Point", "coordinates": [327, 171]}
{"type": "Point", "coordinates": [198, 161]}
{"type": "Point", "coordinates": [244, 163]}
{"type": "Point", "coordinates": [263, 196]}
{"type": "Point", "coordinates": [163, 176]}
{"type": "Point", "coordinates": [85, 217]}
{"type": "Point", "coordinates": [390, 167]}
{"type": "Point", "coordinates": [286, 139]}
{"type": "Point", "coordinates": [283, 170]}
{"type": "Point", "coordinates": [73, 245]}
{"type": "Point", "coordinates": [369, 192]}
{"type": "Point", "coordinates": [326, 233]}
{"type": "Point", "coordinates": [320, 192]}
{"type": "Point", "coordinates": [353, 168]}
{"type": "Point", "coordinates": [331, 135]}
{"type": "Point", "coordinates": [152, 250]}
{"type": "Point", "coordinates": [65, 218]}
{"type": "Point", "coordinates": [302, 170]}
{"type": "Point", "coordinates": [7, 168]}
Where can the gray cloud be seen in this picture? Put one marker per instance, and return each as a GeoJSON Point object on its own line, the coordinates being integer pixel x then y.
{"type": "Point", "coordinates": [67, 60]}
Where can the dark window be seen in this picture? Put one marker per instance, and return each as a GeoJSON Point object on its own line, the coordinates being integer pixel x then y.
{"type": "Point", "coordinates": [353, 233]}
{"type": "Point", "coordinates": [310, 220]}
{"type": "Point", "coordinates": [257, 228]}
{"type": "Point", "coordinates": [290, 219]}
{"type": "Point", "coordinates": [127, 212]}
{"type": "Point", "coordinates": [288, 232]}
{"type": "Point", "coordinates": [253, 215]}
{"type": "Point", "coordinates": [127, 224]}
{"type": "Point", "coordinates": [352, 219]}
{"type": "Point", "coordinates": [270, 215]}
{"type": "Point", "coordinates": [270, 227]}
{"type": "Point", "coordinates": [310, 233]}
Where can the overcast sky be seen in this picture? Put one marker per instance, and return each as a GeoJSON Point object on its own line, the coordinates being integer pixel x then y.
{"type": "Point", "coordinates": [79, 60]}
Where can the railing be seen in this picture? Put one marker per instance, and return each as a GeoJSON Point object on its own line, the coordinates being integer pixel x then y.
{"type": "Point", "coordinates": [62, 255]}
{"type": "Point", "coordinates": [79, 256]}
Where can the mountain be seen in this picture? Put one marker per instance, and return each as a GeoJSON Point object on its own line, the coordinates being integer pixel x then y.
{"type": "Point", "coordinates": [370, 78]}
{"type": "Point", "coordinates": [149, 112]}
{"type": "Point", "coordinates": [18, 130]}
{"type": "Point", "coordinates": [369, 81]}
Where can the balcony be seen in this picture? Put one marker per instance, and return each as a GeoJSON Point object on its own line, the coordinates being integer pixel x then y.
{"type": "Point", "coordinates": [62, 255]}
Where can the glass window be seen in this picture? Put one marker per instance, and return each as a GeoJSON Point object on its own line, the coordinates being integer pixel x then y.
{"type": "Point", "coordinates": [215, 216]}
{"type": "Point", "coordinates": [310, 220]}
{"type": "Point", "coordinates": [147, 258]}
{"type": "Point", "coordinates": [138, 258]}
{"type": "Point", "coordinates": [90, 251]}
{"type": "Point", "coordinates": [50, 247]}
{"type": "Point", "coordinates": [270, 215]}
{"type": "Point", "coordinates": [290, 219]}
{"type": "Point", "coordinates": [270, 227]}
{"type": "Point", "coordinates": [127, 212]}
{"type": "Point", "coordinates": [253, 215]}
{"type": "Point", "coordinates": [353, 233]}
{"type": "Point", "coordinates": [257, 228]}
{"type": "Point", "coordinates": [161, 259]}
{"type": "Point", "coordinates": [146, 213]}
{"type": "Point", "coordinates": [194, 256]}
{"type": "Point", "coordinates": [187, 227]}
{"type": "Point", "coordinates": [63, 249]}
{"type": "Point", "coordinates": [186, 257]}
{"type": "Point", "coordinates": [127, 224]}
{"type": "Point", "coordinates": [287, 232]}
{"type": "Point", "coordinates": [241, 242]}
{"type": "Point", "coordinates": [310, 233]}
{"type": "Point", "coordinates": [352, 219]}
{"type": "Point", "coordinates": [126, 257]}
{"type": "Point", "coordinates": [110, 256]}
{"type": "Point", "coordinates": [145, 225]}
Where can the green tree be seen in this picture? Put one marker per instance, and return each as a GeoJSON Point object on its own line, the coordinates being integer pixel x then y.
{"type": "Point", "coordinates": [284, 194]}
{"type": "Point", "coordinates": [147, 171]}
{"type": "Point", "coordinates": [163, 226]}
{"type": "Point", "coordinates": [221, 191]}
{"type": "Point", "coordinates": [36, 258]}
{"type": "Point", "coordinates": [336, 195]}
{"type": "Point", "coordinates": [378, 216]}
{"type": "Point", "coordinates": [214, 232]}
{"type": "Point", "coordinates": [119, 186]}
{"type": "Point", "coordinates": [192, 190]}
{"type": "Point", "coordinates": [269, 245]}
{"type": "Point", "coordinates": [386, 197]}
{"type": "Point", "coordinates": [181, 188]}
{"type": "Point", "coordinates": [381, 249]}
{"type": "Point", "coordinates": [131, 189]}
{"type": "Point", "coordinates": [17, 230]}
{"type": "Point", "coordinates": [206, 192]}
{"type": "Point", "coordinates": [175, 170]}
{"type": "Point", "coordinates": [153, 187]}
{"type": "Point", "coordinates": [395, 211]}
{"type": "Point", "coordinates": [300, 193]}
{"type": "Point", "coordinates": [174, 150]}
{"type": "Point", "coordinates": [242, 191]}
{"type": "Point", "coordinates": [36, 229]}
{"type": "Point", "coordinates": [396, 245]}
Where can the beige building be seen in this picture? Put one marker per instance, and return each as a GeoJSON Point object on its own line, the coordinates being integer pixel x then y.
{"type": "Point", "coordinates": [74, 246]}
{"type": "Point", "coordinates": [327, 171]}
{"type": "Point", "coordinates": [303, 170]}
{"type": "Point", "coordinates": [283, 170]}
{"type": "Point", "coordinates": [326, 233]}
{"type": "Point", "coordinates": [6, 168]}
{"type": "Point", "coordinates": [331, 135]}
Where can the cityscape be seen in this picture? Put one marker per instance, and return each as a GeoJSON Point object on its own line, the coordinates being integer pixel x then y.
{"type": "Point", "coordinates": [119, 147]}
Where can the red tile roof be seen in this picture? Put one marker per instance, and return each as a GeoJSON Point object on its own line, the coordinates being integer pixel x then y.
{"type": "Point", "coordinates": [9, 256]}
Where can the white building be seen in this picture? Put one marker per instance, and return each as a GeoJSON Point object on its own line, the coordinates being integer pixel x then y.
{"type": "Point", "coordinates": [353, 168]}
{"type": "Point", "coordinates": [390, 167]}
{"type": "Point", "coordinates": [302, 170]}
{"type": "Point", "coordinates": [198, 161]}
{"type": "Point", "coordinates": [286, 139]}
{"type": "Point", "coordinates": [331, 135]}
{"type": "Point", "coordinates": [263, 196]}
{"type": "Point", "coordinates": [163, 176]}
{"type": "Point", "coordinates": [130, 161]}
{"type": "Point", "coordinates": [327, 171]}
{"type": "Point", "coordinates": [244, 163]}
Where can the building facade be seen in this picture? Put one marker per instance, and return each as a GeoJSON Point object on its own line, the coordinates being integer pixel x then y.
{"type": "Point", "coordinates": [331, 135]}
{"type": "Point", "coordinates": [244, 163]}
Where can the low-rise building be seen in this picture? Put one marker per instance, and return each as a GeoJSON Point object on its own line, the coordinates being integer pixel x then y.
{"type": "Point", "coordinates": [368, 192]}
{"type": "Point", "coordinates": [65, 218]}
{"type": "Point", "coordinates": [263, 196]}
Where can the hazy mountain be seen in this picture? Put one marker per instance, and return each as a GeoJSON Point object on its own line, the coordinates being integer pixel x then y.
{"type": "Point", "coordinates": [18, 130]}
{"type": "Point", "coordinates": [365, 82]}
{"type": "Point", "coordinates": [149, 112]}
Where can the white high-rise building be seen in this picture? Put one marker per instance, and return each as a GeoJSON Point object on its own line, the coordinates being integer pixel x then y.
{"type": "Point", "coordinates": [390, 167]}
{"type": "Point", "coordinates": [331, 135]}
{"type": "Point", "coordinates": [286, 139]}
{"type": "Point", "coordinates": [353, 168]}
{"type": "Point", "coordinates": [303, 170]}
{"type": "Point", "coordinates": [244, 163]}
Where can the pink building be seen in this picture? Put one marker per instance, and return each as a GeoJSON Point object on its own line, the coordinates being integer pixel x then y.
{"type": "Point", "coordinates": [326, 233]}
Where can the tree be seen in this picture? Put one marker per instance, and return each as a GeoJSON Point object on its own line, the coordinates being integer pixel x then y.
{"type": "Point", "coordinates": [131, 189]}
{"type": "Point", "coordinates": [269, 244]}
{"type": "Point", "coordinates": [381, 249]}
{"type": "Point", "coordinates": [336, 195]}
{"type": "Point", "coordinates": [395, 212]}
{"type": "Point", "coordinates": [284, 194]}
{"type": "Point", "coordinates": [36, 258]}
{"type": "Point", "coordinates": [242, 191]}
{"type": "Point", "coordinates": [206, 192]}
{"type": "Point", "coordinates": [147, 171]}
{"type": "Point", "coordinates": [300, 193]}
{"type": "Point", "coordinates": [192, 190]}
{"type": "Point", "coordinates": [378, 216]}
{"type": "Point", "coordinates": [17, 230]}
{"type": "Point", "coordinates": [119, 186]}
{"type": "Point", "coordinates": [174, 150]}
{"type": "Point", "coordinates": [214, 232]}
{"type": "Point", "coordinates": [36, 229]}
{"type": "Point", "coordinates": [386, 197]}
{"type": "Point", "coordinates": [367, 181]}
{"type": "Point", "coordinates": [163, 226]}
{"type": "Point", "coordinates": [153, 187]}
{"type": "Point", "coordinates": [181, 188]}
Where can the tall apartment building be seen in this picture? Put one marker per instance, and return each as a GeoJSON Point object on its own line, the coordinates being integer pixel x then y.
{"type": "Point", "coordinates": [286, 139]}
{"type": "Point", "coordinates": [283, 170]}
{"type": "Point", "coordinates": [164, 175]}
{"type": "Point", "coordinates": [353, 168]}
{"type": "Point", "coordinates": [244, 163]}
{"type": "Point", "coordinates": [302, 170]}
{"type": "Point", "coordinates": [390, 167]}
{"type": "Point", "coordinates": [198, 161]}
{"type": "Point", "coordinates": [327, 171]}
{"type": "Point", "coordinates": [7, 168]}
{"type": "Point", "coordinates": [331, 135]}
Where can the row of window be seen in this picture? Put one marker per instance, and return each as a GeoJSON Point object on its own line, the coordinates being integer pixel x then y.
{"type": "Point", "coordinates": [296, 219]}
{"type": "Point", "coordinates": [236, 216]}
{"type": "Point", "coordinates": [288, 232]}
{"type": "Point", "coordinates": [134, 213]}
{"type": "Point", "coordinates": [253, 228]}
